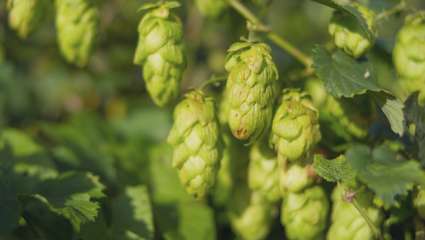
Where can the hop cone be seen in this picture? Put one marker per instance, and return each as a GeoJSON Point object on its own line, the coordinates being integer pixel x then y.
{"type": "Point", "coordinates": [295, 179]}
{"type": "Point", "coordinates": [196, 141]}
{"type": "Point", "coordinates": [347, 34]}
{"type": "Point", "coordinates": [77, 22]}
{"type": "Point", "coordinates": [211, 8]}
{"type": "Point", "coordinates": [408, 55]}
{"type": "Point", "coordinates": [251, 87]}
{"type": "Point", "coordinates": [295, 128]}
{"type": "Point", "coordinates": [161, 53]}
{"type": "Point", "coordinates": [26, 15]}
{"type": "Point", "coordinates": [347, 223]}
{"type": "Point", "coordinates": [304, 214]}
{"type": "Point", "coordinates": [331, 109]}
{"type": "Point", "coordinates": [419, 203]}
{"type": "Point", "coordinates": [251, 216]}
{"type": "Point", "coordinates": [263, 175]}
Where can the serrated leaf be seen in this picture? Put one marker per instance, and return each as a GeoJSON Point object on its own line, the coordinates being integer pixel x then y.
{"type": "Point", "coordinates": [132, 215]}
{"type": "Point", "coordinates": [415, 118]}
{"type": "Point", "coordinates": [385, 172]}
{"type": "Point", "coordinates": [335, 170]}
{"type": "Point", "coordinates": [393, 110]}
{"type": "Point", "coordinates": [343, 75]}
{"type": "Point", "coordinates": [72, 195]}
{"type": "Point", "coordinates": [347, 8]}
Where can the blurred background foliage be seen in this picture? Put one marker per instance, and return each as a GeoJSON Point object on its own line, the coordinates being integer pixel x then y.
{"type": "Point", "coordinates": [59, 120]}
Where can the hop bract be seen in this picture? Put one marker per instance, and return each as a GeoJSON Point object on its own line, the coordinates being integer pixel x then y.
{"type": "Point", "coordinates": [295, 128]}
{"type": "Point", "coordinates": [161, 52]}
{"type": "Point", "coordinates": [77, 23]}
{"type": "Point", "coordinates": [250, 215]}
{"type": "Point", "coordinates": [26, 15]}
{"type": "Point", "coordinates": [252, 88]}
{"type": "Point", "coordinates": [211, 8]}
{"type": "Point", "coordinates": [263, 174]}
{"type": "Point", "coordinates": [408, 55]}
{"type": "Point", "coordinates": [304, 214]}
{"type": "Point", "coordinates": [347, 33]}
{"type": "Point", "coordinates": [196, 141]}
{"type": "Point", "coordinates": [347, 223]}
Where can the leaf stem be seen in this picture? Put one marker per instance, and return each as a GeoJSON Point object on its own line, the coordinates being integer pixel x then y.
{"type": "Point", "coordinates": [212, 80]}
{"type": "Point", "coordinates": [369, 222]}
{"type": "Point", "coordinates": [275, 38]}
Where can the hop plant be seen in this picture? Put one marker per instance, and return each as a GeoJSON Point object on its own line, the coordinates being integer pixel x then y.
{"type": "Point", "coordinates": [211, 8]}
{"type": "Point", "coordinates": [251, 87]}
{"type": "Point", "coordinates": [26, 15]}
{"type": "Point", "coordinates": [196, 141]}
{"type": "Point", "coordinates": [161, 52]}
{"type": "Point", "coordinates": [304, 214]}
{"type": "Point", "coordinates": [331, 108]}
{"type": "Point", "coordinates": [263, 175]}
{"type": "Point", "coordinates": [347, 33]}
{"type": "Point", "coordinates": [250, 215]}
{"type": "Point", "coordinates": [408, 55]}
{"type": "Point", "coordinates": [347, 222]}
{"type": "Point", "coordinates": [77, 23]}
{"type": "Point", "coordinates": [295, 128]}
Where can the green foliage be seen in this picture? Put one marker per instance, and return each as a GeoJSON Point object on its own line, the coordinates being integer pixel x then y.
{"type": "Point", "coordinates": [384, 171]}
{"type": "Point", "coordinates": [335, 170]}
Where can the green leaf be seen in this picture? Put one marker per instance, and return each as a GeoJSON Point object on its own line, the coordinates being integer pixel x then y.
{"type": "Point", "coordinates": [343, 75]}
{"type": "Point", "coordinates": [393, 110]}
{"type": "Point", "coordinates": [385, 172]}
{"type": "Point", "coordinates": [415, 117]}
{"type": "Point", "coordinates": [72, 195]}
{"type": "Point", "coordinates": [132, 215]}
{"type": "Point", "coordinates": [335, 170]}
{"type": "Point", "coordinates": [347, 8]}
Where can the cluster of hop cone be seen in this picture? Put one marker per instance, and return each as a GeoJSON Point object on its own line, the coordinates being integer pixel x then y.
{"type": "Point", "coordinates": [280, 127]}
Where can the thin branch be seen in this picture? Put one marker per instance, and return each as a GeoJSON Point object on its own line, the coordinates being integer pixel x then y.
{"type": "Point", "coordinates": [278, 40]}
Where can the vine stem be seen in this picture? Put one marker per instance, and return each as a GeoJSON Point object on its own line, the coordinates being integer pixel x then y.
{"type": "Point", "coordinates": [391, 11]}
{"type": "Point", "coordinates": [275, 38]}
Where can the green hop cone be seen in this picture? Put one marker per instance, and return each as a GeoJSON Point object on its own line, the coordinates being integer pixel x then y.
{"type": "Point", "coordinates": [295, 179]}
{"type": "Point", "coordinates": [347, 33]}
{"type": "Point", "coordinates": [304, 214]}
{"type": "Point", "coordinates": [196, 141]}
{"type": "Point", "coordinates": [250, 215]}
{"type": "Point", "coordinates": [419, 203]}
{"type": "Point", "coordinates": [26, 15]}
{"type": "Point", "coordinates": [295, 128]}
{"type": "Point", "coordinates": [160, 51]}
{"type": "Point", "coordinates": [252, 88]}
{"type": "Point", "coordinates": [211, 8]}
{"type": "Point", "coordinates": [408, 54]}
{"type": "Point", "coordinates": [347, 222]}
{"type": "Point", "coordinates": [331, 109]}
{"type": "Point", "coordinates": [263, 173]}
{"type": "Point", "coordinates": [77, 23]}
